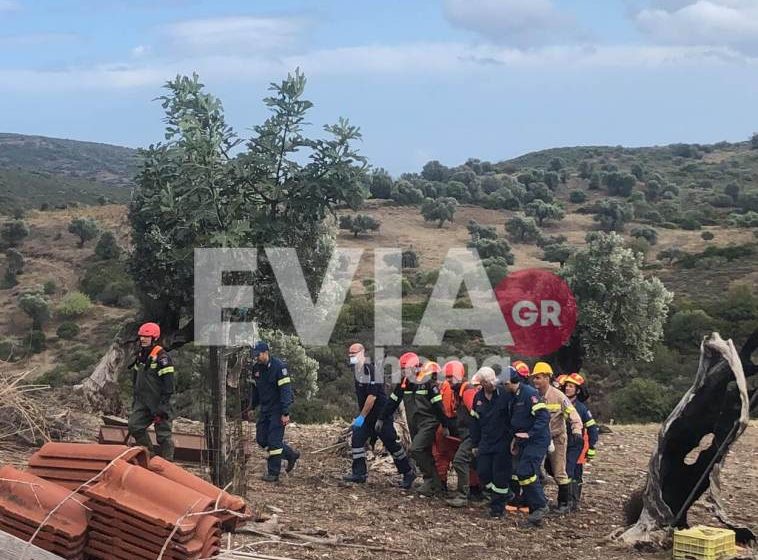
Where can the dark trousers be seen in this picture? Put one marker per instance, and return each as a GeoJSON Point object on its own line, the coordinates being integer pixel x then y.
{"type": "Point", "coordinates": [573, 468]}
{"type": "Point", "coordinates": [531, 454]}
{"type": "Point", "coordinates": [389, 438]}
{"type": "Point", "coordinates": [421, 447]}
{"type": "Point", "coordinates": [494, 470]}
{"type": "Point", "coordinates": [269, 434]}
{"type": "Point", "coordinates": [140, 420]}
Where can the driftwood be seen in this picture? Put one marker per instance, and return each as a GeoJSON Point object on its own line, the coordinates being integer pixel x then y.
{"type": "Point", "coordinates": [709, 418]}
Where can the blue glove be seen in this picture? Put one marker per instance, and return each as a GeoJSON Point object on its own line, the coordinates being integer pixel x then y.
{"type": "Point", "coordinates": [358, 422]}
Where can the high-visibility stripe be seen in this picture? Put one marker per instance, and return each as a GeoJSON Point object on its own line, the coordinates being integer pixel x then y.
{"type": "Point", "coordinates": [538, 406]}
{"type": "Point", "coordinates": [422, 392]}
{"type": "Point", "coordinates": [570, 409]}
{"type": "Point", "coordinates": [394, 397]}
{"type": "Point", "coordinates": [400, 454]}
{"type": "Point", "coordinates": [283, 381]}
{"type": "Point", "coordinates": [153, 365]}
{"type": "Point", "coordinates": [273, 452]}
{"type": "Point", "coordinates": [553, 407]}
{"type": "Point", "coordinates": [501, 491]}
{"type": "Point", "coordinates": [514, 477]}
{"type": "Point", "coordinates": [474, 413]}
{"type": "Point", "coordinates": [527, 481]}
{"type": "Point", "coordinates": [590, 423]}
{"type": "Point", "coordinates": [165, 370]}
{"type": "Point", "coordinates": [591, 453]}
{"type": "Point", "coordinates": [436, 398]}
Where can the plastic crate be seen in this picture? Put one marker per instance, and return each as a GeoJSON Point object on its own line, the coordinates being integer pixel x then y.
{"type": "Point", "coordinates": [704, 543]}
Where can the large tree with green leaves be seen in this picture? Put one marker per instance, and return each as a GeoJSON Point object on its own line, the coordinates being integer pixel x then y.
{"type": "Point", "coordinates": [439, 210]}
{"type": "Point", "coordinates": [621, 313]}
{"type": "Point", "coordinates": [192, 191]}
{"type": "Point", "coordinates": [543, 211]}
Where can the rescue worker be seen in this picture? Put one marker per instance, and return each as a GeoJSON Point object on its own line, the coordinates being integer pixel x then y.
{"type": "Point", "coordinates": [464, 394]}
{"type": "Point", "coordinates": [153, 383]}
{"type": "Point", "coordinates": [490, 433]}
{"type": "Point", "coordinates": [517, 504]}
{"type": "Point", "coordinates": [428, 416]}
{"type": "Point", "coordinates": [444, 447]}
{"type": "Point", "coordinates": [579, 451]}
{"type": "Point", "coordinates": [402, 392]}
{"type": "Point", "coordinates": [561, 411]}
{"type": "Point", "coordinates": [369, 390]}
{"type": "Point", "coordinates": [529, 420]}
{"type": "Point", "coordinates": [271, 388]}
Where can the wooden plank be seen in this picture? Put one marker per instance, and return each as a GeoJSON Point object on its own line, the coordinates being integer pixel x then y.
{"type": "Point", "coordinates": [13, 548]}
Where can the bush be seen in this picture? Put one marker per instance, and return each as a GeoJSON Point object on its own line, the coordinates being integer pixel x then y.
{"type": "Point", "coordinates": [14, 232]}
{"type": "Point", "coordinates": [50, 287]}
{"type": "Point", "coordinates": [685, 329]}
{"type": "Point", "coordinates": [11, 350]}
{"type": "Point", "coordinates": [690, 222]}
{"type": "Point", "coordinates": [578, 197]}
{"type": "Point", "coordinates": [746, 220]}
{"type": "Point", "coordinates": [118, 294]}
{"type": "Point", "coordinates": [67, 330]}
{"type": "Point", "coordinates": [707, 235]}
{"type": "Point", "coordinates": [410, 259]}
{"type": "Point", "coordinates": [37, 307]}
{"type": "Point", "coordinates": [85, 229]}
{"type": "Point", "coordinates": [107, 247]}
{"type": "Point", "coordinates": [642, 400]}
{"type": "Point", "coordinates": [360, 223]}
{"type": "Point", "coordinates": [107, 282]}
{"type": "Point", "coordinates": [73, 304]}
{"type": "Point", "coordinates": [35, 341]}
{"type": "Point", "coordinates": [646, 233]}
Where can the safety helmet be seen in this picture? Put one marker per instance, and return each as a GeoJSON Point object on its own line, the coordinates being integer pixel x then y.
{"type": "Point", "coordinates": [521, 367]}
{"type": "Point", "coordinates": [150, 329]}
{"type": "Point", "coordinates": [409, 359]}
{"type": "Point", "coordinates": [542, 368]}
{"type": "Point", "coordinates": [561, 379]}
{"type": "Point", "coordinates": [427, 370]}
{"type": "Point", "coordinates": [574, 378]}
{"type": "Point", "coordinates": [455, 369]}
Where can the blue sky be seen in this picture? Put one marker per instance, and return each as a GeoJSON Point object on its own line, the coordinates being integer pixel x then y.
{"type": "Point", "coordinates": [424, 79]}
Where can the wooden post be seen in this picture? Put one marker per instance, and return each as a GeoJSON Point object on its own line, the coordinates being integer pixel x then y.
{"type": "Point", "coordinates": [217, 444]}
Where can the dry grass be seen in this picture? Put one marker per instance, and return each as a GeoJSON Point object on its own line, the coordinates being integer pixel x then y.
{"type": "Point", "coordinates": [21, 415]}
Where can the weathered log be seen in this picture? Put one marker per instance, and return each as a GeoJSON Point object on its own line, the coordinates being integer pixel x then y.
{"type": "Point", "coordinates": [717, 407]}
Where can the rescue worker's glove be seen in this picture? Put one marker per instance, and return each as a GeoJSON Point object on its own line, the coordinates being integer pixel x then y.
{"type": "Point", "coordinates": [591, 454]}
{"type": "Point", "coordinates": [379, 425]}
{"type": "Point", "coordinates": [551, 447]}
{"type": "Point", "coordinates": [359, 420]}
{"type": "Point", "coordinates": [475, 451]}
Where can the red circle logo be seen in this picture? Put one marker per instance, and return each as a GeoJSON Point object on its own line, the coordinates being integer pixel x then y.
{"type": "Point", "coordinates": [540, 311]}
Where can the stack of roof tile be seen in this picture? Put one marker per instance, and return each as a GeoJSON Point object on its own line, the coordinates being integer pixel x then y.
{"type": "Point", "coordinates": [72, 464]}
{"type": "Point", "coordinates": [26, 502]}
{"type": "Point", "coordinates": [135, 512]}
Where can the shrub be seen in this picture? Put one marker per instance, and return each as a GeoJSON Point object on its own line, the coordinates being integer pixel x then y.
{"type": "Point", "coordinates": [647, 233]}
{"type": "Point", "coordinates": [37, 307]}
{"type": "Point", "coordinates": [639, 245]}
{"type": "Point", "coordinates": [686, 329]}
{"type": "Point", "coordinates": [642, 400]}
{"type": "Point", "coordinates": [410, 258]}
{"type": "Point", "coordinates": [360, 223]}
{"type": "Point", "coordinates": [73, 304]}
{"type": "Point", "coordinates": [102, 280]}
{"type": "Point", "coordinates": [746, 220]}
{"type": "Point", "coordinates": [578, 197]}
{"type": "Point", "coordinates": [439, 210]}
{"type": "Point", "coordinates": [690, 222]}
{"type": "Point", "coordinates": [107, 247]}
{"type": "Point", "coordinates": [67, 330]}
{"type": "Point", "coordinates": [50, 287]}
{"type": "Point", "coordinates": [14, 232]}
{"type": "Point", "coordinates": [118, 294]}
{"type": "Point", "coordinates": [85, 229]}
{"type": "Point", "coordinates": [707, 235]}
{"type": "Point", "coordinates": [11, 350]}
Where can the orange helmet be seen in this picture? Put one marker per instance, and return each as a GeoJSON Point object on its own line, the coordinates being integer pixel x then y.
{"type": "Point", "coordinates": [150, 329]}
{"type": "Point", "coordinates": [409, 359]}
{"type": "Point", "coordinates": [455, 369]}
{"type": "Point", "coordinates": [521, 367]}
{"type": "Point", "coordinates": [561, 379]}
{"type": "Point", "coordinates": [427, 370]}
{"type": "Point", "coordinates": [574, 378]}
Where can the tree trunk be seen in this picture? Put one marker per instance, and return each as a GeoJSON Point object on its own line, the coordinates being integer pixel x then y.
{"type": "Point", "coordinates": [216, 432]}
{"type": "Point", "coordinates": [716, 405]}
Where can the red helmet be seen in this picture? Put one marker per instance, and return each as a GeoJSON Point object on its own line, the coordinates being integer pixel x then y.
{"type": "Point", "coordinates": [428, 369]}
{"type": "Point", "coordinates": [150, 329]}
{"type": "Point", "coordinates": [455, 369]}
{"type": "Point", "coordinates": [409, 359]}
{"type": "Point", "coordinates": [521, 367]}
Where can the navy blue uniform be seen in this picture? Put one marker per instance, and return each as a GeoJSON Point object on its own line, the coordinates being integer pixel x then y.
{"type": "Point", "coordinates": [490, 434]}
{"type": "Point", "coordinates": [574, 468]}
{"type": "Point", "coordinates": [271, 389]}
{"type": "Point", "coordinates": [528, 414]}
{"type": "Point", "coordinates": [365, 385]}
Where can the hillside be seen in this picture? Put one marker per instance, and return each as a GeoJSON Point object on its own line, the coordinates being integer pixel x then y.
{"type": "Point", "coordinates": [35, 170]}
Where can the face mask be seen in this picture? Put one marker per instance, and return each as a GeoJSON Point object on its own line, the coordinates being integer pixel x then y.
{"type": "Point", "coordinates": [353, 360]}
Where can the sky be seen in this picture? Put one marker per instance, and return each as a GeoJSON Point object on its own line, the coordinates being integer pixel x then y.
{"type": "Point", "coordinates": [423, 79]}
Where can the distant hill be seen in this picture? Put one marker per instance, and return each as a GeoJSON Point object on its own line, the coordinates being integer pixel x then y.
{"type": "Point", "coordinates": [35, 170]}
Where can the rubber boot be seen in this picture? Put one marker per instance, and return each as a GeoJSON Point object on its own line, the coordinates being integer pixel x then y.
{"type": "Point", "coordinates": [535, 518]}
{"type": "Point", "coordinates": [431, 487]}
{"type": "Point", "coordinates": [564, 496]}
{"type": "Point", "coordinates": [577, 495]}
{"type": "Point", "coordinates": [408, 478]}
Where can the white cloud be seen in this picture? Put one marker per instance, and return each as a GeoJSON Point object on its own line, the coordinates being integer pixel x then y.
{"type": "Point", "coordinates": [702, 22]}
{"type": "Point", "coordinates": [513, 22]}
{"type": "Point", "coordinates": [140, 50]}
{"type": "Point", "coordinates": [233, 35]}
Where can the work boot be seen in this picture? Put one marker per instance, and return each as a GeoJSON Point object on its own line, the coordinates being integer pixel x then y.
{"type": "Point", "coordinates": [459, 500]}
{"type": "Point", "coordinates": [564, 496]}
{"type": "Point", "coordinates": [291, 462]}
{"type": "Point", "coordinates": [356, 478]}
{"type": "Point", "coordinates": [577, 495]}
{"type": "Point", "coordinates": [430, 488]}
{"type": "Point", "coordinates": [408, 479]}
{"type": "Point", "coordinates": [535, 518]}
{"type": "Point", "coordinates": [270, 478]}
{"type": "Point", "coordinates": [496, 513]}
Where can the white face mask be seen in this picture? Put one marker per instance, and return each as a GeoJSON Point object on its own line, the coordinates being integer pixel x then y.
{"type": "Point", "coordinates": [353, 360]}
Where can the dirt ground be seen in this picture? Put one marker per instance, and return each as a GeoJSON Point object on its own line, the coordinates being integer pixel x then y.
{"type": "Point", "coordinates": [380, 514]}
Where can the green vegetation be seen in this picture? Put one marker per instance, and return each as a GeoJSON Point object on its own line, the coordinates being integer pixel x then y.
{"type": "Point", "coordinates": [14, 232]}
{"type": "Point", "coordinates": [439, 210]}
{"type": "Point", "coordinates": [73, 305]}
{"type": "Point", "coordinates": [85, 229]}
{"type": "Point", "coordinates": [359, 224]}
{"type": "Point", "coordinates": [14, 266]}
{"type": "Point", "coordinates": [37, 307]}
{"type": "Point", "coordinates": [107, 247]}
{"type": "Point", "coordinates": [67, 330]}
